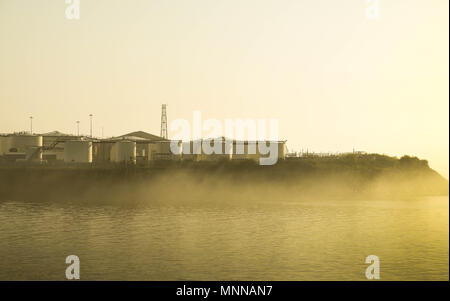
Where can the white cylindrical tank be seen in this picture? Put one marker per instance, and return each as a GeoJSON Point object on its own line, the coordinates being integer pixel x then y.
{"type": "Point", "coordinates": [78, 151]}
{"type": "Point", "coordinates": [5, 145]}
{"type": "Point", "coordinates": [124, 151]}
{"type": "Point", "coordinates": [22, 143]}
{"type": "Point", "coordinates": [33, 153]}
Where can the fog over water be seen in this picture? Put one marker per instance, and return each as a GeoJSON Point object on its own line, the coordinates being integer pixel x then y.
{"type": "Point", "coordinates": [305, 220]}
{"type": "Point", "coordinates": [267, 240]}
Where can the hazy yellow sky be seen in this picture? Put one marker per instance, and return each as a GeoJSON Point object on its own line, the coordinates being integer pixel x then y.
{"type": "Point", "coordinates": [334, 79]}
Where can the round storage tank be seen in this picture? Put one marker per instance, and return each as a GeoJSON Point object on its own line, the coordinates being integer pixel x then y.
{"type": "Point", "coordinates": [33, 153]}
{"type": "Point", "coordinates": [5, 145]}
{"type": "Point", "coordinates": [78, 151]}
{"type": "Point", "coordinates": [124, 151]}
{"type": "Point", "coordinates": [23, 143]}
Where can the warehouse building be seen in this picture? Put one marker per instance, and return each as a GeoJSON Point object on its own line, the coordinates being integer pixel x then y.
{"type": "Point", "coordinates": [162, 151]}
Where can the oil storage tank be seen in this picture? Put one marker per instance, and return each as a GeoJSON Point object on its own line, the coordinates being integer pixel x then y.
{"type": "Point", "coordinates": [23, 143]}
{"type": "Point", "coordinates": [3, 146]}
{"type": "Point", "coordinates": [78, 151]}
{"type": "Point", "coordinates": [282, 150]}
{"type": "Point", "coordinates": [124, 151]}
{"type": "Point", "coordinates": [33, 153]}
{"type": "Point", "coordinates": [30, 146]}
{"type": "Point", "coordinates": [102, 151]}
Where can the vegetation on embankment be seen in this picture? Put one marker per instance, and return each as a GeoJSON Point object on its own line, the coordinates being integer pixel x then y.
{"type": "Point", "coordinates": [338, 177]}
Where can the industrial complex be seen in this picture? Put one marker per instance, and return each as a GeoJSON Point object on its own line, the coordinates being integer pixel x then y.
{"type": "Point", "coordinates": [133, 148]}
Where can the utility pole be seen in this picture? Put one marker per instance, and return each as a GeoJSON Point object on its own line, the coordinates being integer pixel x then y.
{"type": "Point", "coordinates": [31, 125]}
{"type": "Point", "coordinates": [90, 115]}
{"type": "Point", "coordinates": [78, 128]}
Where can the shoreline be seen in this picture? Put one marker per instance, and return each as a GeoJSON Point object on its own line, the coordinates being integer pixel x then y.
{"type": "Point", "coordinates": [316, 178]}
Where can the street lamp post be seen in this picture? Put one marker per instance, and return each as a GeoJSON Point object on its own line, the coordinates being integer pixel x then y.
{"type": "Point", "coordinates": [90, 115]}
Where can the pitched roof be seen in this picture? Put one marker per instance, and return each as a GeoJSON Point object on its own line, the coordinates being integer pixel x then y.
{"type": "Point", "coordinates": [143, 135]}
{"type": "Point", "coordinates": [55, 133]}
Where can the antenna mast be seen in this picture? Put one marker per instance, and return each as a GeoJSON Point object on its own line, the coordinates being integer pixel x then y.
{"type": "Point", "coordinates": [164, 121]}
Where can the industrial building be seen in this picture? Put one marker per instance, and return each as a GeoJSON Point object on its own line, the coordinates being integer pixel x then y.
{"type": "Point", "coordinates": [123, 151]}
{"type": "Point", "coordinates": [219, 149]}
{"type": "Point", "coordinates": [133, 148]}
{"type": "Point", "coordinates": [53, 143]}
{"type": "Point", "coordinates": [249, 150]}
{"type": "Point", "coordinates": [161, 151]}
